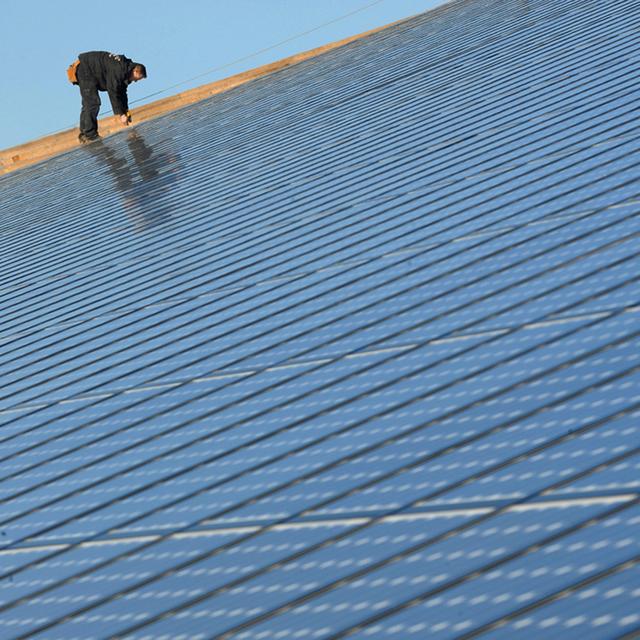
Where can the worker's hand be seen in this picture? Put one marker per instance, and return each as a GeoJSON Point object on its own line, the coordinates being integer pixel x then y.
{"type": "Point", "coordinates": [125, 119]}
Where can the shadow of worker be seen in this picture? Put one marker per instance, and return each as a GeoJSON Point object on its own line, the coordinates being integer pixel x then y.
{"type": "Point", "coordinates": [144, 178]}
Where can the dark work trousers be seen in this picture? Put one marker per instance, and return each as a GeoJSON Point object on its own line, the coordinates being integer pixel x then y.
{"type": "Point", "coordinates": [90, 103]}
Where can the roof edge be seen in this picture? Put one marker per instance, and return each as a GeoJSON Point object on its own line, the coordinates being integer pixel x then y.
{"type": "Point", "coordinates": [41, 149]}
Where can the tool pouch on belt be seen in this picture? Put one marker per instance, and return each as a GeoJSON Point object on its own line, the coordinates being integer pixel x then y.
{"type": "Point", "coordinates": [72, 72]}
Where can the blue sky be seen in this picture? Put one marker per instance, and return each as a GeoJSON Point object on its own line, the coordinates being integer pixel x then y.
{"type": "Point", "coordinates": [176, 40]}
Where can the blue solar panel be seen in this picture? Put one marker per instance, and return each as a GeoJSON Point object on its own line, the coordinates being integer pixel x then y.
{"type": "Point", "coordinates": [426, 568]}
{"type": "Point", "coordinates": [348, 350]}
{"type": "Point", "coordinates": [518, 584]}
{"type": "Point", "coordinates": [609, 606]}
{"type": "Point", "coordinates": [620, 475]}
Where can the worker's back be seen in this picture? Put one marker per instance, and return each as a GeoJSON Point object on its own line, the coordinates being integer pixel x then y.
{"type": "Point", "coordinates": [108, 69]}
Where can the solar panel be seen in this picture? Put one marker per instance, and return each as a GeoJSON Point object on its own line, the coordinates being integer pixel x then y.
{"type": "Point", "coordinates": [350, 350]}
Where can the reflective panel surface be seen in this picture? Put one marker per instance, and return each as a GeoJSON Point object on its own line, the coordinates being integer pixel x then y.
{"type": "Point", "coordinates": [351, 350]}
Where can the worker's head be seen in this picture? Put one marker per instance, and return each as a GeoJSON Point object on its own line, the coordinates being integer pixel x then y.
{"type": "Point", "coordinates": [138, 72]}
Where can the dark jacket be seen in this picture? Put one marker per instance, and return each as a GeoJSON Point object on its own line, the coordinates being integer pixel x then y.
{"type": "Point", "coordinates": [111, 73]}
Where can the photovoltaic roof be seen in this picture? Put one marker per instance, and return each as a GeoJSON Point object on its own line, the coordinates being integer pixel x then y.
{"type": "Point", "coordinates": [348, 351]}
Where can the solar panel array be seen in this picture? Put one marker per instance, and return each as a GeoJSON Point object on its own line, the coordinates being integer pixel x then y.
{"type": "Point", "coordinates": [348, 351]}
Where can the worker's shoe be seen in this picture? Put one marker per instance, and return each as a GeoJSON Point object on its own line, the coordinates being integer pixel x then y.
{"type": "Point", "coordinates": [85, 139]}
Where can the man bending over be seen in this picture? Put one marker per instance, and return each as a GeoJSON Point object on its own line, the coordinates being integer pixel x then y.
{"type": "Point", "coordinates": [103, 71]}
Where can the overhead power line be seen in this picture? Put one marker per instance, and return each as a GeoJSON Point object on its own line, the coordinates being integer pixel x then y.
{"type": "Point", "coordinates": [260, 51]}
